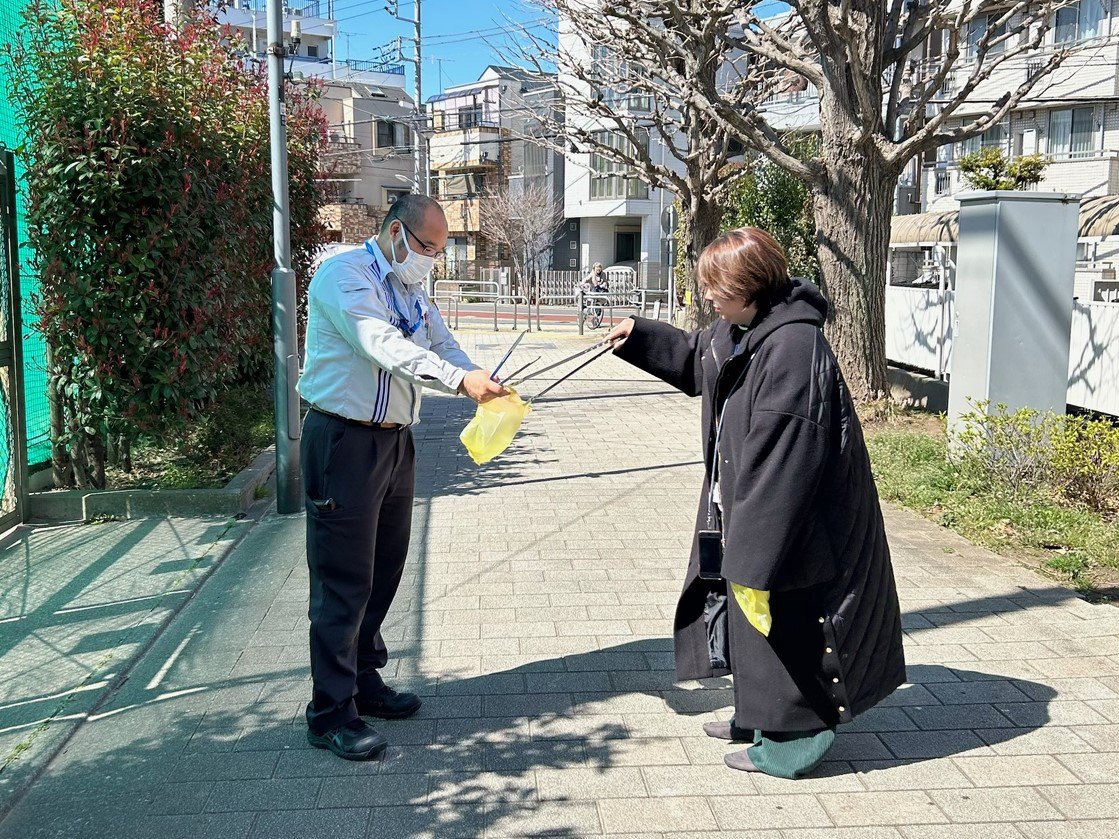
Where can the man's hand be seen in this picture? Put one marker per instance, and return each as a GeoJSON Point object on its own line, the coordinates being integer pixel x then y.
{"type": "Point", "coordinates": [477, 386]}
{"type": "Point", "coordinates": [622, 331]}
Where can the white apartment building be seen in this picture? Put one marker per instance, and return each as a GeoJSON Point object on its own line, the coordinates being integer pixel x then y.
{"type": "Point", "coordinates": [477, 144]}
{"type": "Point", "coordinates": [1071, 116]}
{"type": "Point", "coordinates": [369, 160]}
{"type": "Point", "coordinates": [619, 219]}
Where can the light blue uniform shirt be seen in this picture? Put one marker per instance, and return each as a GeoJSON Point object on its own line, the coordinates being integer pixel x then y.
{"type": "Point", "coordinates": [361, 362]}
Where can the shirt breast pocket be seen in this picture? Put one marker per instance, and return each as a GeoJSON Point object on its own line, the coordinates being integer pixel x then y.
{"type": "Point", "coordinates": [422, 336]}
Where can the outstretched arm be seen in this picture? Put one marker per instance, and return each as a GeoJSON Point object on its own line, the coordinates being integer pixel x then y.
{"type": "Point", "coordinates": [666, 352]}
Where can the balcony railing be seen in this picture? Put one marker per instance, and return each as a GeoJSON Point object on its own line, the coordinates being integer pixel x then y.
{"type": "Point", "coordinates": [293, 8]}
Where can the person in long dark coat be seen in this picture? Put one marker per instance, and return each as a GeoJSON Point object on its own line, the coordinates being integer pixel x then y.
{"type": "Point", "coordinates": [789, 487]}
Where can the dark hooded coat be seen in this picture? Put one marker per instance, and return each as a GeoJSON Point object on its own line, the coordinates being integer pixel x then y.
{"type": "Point", "coordinates": [800, 519]}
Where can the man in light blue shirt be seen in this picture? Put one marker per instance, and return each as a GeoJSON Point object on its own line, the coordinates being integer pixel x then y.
{"type": "Point", "coordinates": [374, 340]}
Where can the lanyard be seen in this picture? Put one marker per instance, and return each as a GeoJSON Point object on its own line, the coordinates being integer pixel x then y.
{"type": "Point", "coordinates": [408, 328]}
{"type": "Point", "coordinates": [719, 436]}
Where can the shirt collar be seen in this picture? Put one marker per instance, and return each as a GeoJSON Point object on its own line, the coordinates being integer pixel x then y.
{"type": "Point", "coordinates": [382, 267]}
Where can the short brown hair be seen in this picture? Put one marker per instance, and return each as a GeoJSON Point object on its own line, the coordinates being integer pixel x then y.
{"type": "Point", "coordinates": [746, 262]}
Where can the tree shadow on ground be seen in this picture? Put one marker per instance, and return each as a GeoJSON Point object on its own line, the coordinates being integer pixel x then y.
{"type": "Point", "coordinates": [523, 751]}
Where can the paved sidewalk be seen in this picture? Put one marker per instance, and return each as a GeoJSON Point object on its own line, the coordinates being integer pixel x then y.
{"type": "Point", "coordinates": [78, 602]}
{"type": "Point", "coordinates": [534, 617]}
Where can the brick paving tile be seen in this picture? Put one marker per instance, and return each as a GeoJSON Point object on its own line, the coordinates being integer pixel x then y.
{"type": "Point", "coordinates": [535, 618]}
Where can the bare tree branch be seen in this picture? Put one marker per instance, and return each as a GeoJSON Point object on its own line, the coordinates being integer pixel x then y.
{"type": "Point", "coordinates": [525, 218]}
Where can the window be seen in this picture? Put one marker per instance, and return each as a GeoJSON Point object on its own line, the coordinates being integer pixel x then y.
{"type": "Point", "coordinates": [993, 137]}
{"type": "Point", "coordinates": [1077, 22]}
{"type": "Point", "coordinates": [573, 245]}
{"type": "Point", "coordinates": [466, 185]}
{"type": "Point", "coordinates": [615, 180]}
{"type": "Point", "coordinates": [943, 182]}
{"type": "Point", "coordinates": [470, 116]}
{"type": "Point", "coordinates": [616, 76]}
{"type": "Point", "coordinates": [313, 51]}
{"type": "Point", "coordinates": [975, 31]}
{"type": "Point", "coordinates": [535, 166]}
{"type": "Point", "coordinates": [1071, 133]}
{"type": "Point", "coordinates": [385, 135]}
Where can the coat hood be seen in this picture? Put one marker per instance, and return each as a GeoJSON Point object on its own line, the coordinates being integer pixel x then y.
{"type": "Point", "coordinates": [800, 302]}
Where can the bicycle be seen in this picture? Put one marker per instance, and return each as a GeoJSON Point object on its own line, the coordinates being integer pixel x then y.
{"type": "Point", "coordinates": [593, 311]}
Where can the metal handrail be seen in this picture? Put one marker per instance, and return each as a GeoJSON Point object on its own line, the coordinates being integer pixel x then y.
{"type": "Point", "coordinates": [487, 289]}
{"type": "Point", "coordinates": [442, 285]}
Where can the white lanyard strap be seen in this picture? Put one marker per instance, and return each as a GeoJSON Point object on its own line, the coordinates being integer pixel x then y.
{"type": "Point", "coordinates": [718, 436]}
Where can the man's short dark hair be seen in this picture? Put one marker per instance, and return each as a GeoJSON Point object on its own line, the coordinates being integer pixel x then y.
{"type": "Point", "coordinates": [410, 209]}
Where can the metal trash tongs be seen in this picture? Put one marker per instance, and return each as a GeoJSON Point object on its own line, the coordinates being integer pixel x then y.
{"type": "Point", "coordinates": [513, 381]}
{"type": "Point", "coordinates": [504, 358]}
{"type": "Point", "coordinates": [568, 375]}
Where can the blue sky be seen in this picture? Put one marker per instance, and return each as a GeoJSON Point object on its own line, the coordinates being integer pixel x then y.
{"type": "Point", "coordinates": [454, 32]}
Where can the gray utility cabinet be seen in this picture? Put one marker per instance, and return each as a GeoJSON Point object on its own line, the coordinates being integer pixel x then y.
{"type": "Point", "coordinates": [1014, 287]}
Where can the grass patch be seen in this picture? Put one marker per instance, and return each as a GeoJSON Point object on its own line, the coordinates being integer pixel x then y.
{"type": "Point", "coordinates": [218, 446]}
{"type": "Point", "coordinates": [1069, 542]}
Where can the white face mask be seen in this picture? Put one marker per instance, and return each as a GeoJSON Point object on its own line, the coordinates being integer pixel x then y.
{"type": "Point", "coordinates": [415, 267]}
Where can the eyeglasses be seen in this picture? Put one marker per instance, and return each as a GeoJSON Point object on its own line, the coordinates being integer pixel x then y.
{"type": "Point", "coordinates": [425, 248]}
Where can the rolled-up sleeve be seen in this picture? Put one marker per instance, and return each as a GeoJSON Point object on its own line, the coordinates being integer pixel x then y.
{"type": "Point", "coordinates": [360, 315]}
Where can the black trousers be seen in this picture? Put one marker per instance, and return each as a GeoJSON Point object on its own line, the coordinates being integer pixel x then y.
{"type": "Point", "coordinates": [360, 483]}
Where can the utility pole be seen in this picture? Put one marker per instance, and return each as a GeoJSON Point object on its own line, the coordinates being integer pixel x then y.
{"type": "Point", "coordinates": [285, 340]}
{"type": "Point", "coordinates": [419, 123]}
{"type": "Point", "coordinates": [333, 36]}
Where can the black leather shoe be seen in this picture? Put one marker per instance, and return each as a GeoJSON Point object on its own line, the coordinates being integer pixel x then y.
{"type": "Point", "coordinates": [356, 740]}
{"type": "Point", "coordinates": [387, 704]}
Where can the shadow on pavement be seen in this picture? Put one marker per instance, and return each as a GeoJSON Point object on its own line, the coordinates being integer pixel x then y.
{"type": "Point", "coordinates": [495, 753]}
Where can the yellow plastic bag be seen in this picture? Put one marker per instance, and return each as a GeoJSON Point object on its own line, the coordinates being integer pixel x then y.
{"type": "Point", "coordinates": [494, 426]}
{"type": "Point", "coordinates": [755, 605]}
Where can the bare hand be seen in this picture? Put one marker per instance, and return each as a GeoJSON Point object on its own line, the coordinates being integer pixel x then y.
{"type": "Point", "coordinates": [477, 386]}
{"type": "Point", "coordinates": [622, 331]}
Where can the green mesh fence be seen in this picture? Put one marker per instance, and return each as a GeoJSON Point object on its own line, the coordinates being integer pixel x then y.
{"type": "Point", "coordinates": [34, 350]}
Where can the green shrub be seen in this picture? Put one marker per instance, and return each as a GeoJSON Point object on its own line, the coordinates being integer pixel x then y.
{"type": "Point", "coordinates": [912, 468]}
{"type": "Point", "coordinates": [1085, 461]}
{"type": "Point", "coordinates": [989, 168]}
{"type": "Point", "coordinates": [150, 214]}
{"type": "Point", "coordinates": [1026, 452]}
{"type": "Point", "coordinates": [1010, 450]}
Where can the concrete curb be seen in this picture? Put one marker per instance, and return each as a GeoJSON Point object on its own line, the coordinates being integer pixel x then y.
{"type": "Point", "coordinates": [234, 499]}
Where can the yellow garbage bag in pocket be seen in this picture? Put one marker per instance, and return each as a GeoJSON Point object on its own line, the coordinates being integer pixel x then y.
{"type": "Point", "coordinates": [494, 426]}
{"type": "Point", "coordinates": [754, 603]}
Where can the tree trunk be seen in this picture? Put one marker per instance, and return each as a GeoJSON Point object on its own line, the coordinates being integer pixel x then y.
{"type": "Point", "coordinates": [126, 453]}
{"type": "Point", "coordinates": [61, 466]}
{"type": "Point", "coordinates": [701, 224]}
{"type": "Point", "coordinates": [853, 207]}
{"type": "Point", "coordinates": [96, 448]}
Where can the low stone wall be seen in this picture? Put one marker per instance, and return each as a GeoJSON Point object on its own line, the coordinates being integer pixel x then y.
{"type": "Point", "coordinates": [233, 499]}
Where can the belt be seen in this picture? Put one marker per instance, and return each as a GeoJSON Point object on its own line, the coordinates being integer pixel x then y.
{"type": "Point", "coordinates": [365, 423]}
